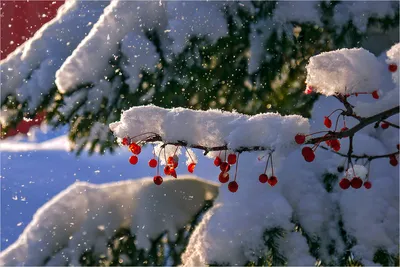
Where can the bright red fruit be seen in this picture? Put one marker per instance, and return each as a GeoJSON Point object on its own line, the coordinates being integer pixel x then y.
{"type": "Point", "coordinates": [375, 94]}
{"type": "Point", "coordinates": [167, 170]}
{"type": "Point", "coordinates": [157, 180]}
{"type": "Point", "coordinates": [133, 160]}
{"type": "Point", "coordinates": [231, 159]}
{"type": "Point", "coordinates": [344, 183]}
{"type": "Point", "coordinates": [367, 185]}
{"type": "Point", "coordinates": [225, 167]}
{"type": "Point", "coordinates": [335, 144]}
{"type": "Point", "coordinates": [308, 154]}
{"type": "Point", "coordinates": [223, 177]}
{"type": "Point", "coordinates": [344, 129]}
{"type": "Point", "coordinates": [135, 148]}
{"type": "Point", "coordinates": [300, 138]}
{"type": "Point", "coordinates": [306, 150]}
{"type": "Point", "coordinates": [152, 163]}
{"type": "Point", "coordinates": [173, 173]}
{"type": "Point", "coordinates": [356, 182]}
{"type": "Point", "coordinates": [392, 67]}
{"type": "Point", "coordinates": [308, 90]}
{"type": "Point", "coordinates": [233, 186]}
{"type": "Point", "coordinates": [125, 141]}
{"type": "Point", "coordinates": [327, 122]}
{"type": "Point", "coordinates": [170, 160]}
{"type": "Point", "coordinates": [384, 125]}
{"type": "Point", "coordinates": [217, 161]}
{"type": "Point", "coordinates": [191, 167]}
{"type": "Point", "coordinates": [272, 180]}
{"type": "Point", "coordinates": [263, 178]}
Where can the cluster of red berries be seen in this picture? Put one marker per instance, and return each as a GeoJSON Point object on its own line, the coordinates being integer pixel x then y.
{"type": "Point", "coordinates": [355, 182]}
{"type": "Point", "coordinates": [225, 166]}
{"type": "Point", "coordinates": [172, 162]}
{"type": "Point", "coordinates": [263, 178]}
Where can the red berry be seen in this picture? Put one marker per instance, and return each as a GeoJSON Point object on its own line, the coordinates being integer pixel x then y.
{"type": "Point", "coordinates": [327, 122]}
{"type": "Point", "coordinates": [367, 185]}
{"type": "Point", "coordinates": [173, 173]}
{"type": "Point", "coordinates": [308, 154]}
{"type": "Point", "coordinates": [307, 150]}
{"type": "Point", "coordinates": [135, 148]}
{"type": "Point", "coordinates": [393, 160]}
{"type": "Point", "coordinates": [173, 161]}
{"type": "Point", "coordinates": [191, 167]}
{"type": "Point", "coordinates": [133, 160]}
{"type": "Point", "coordinates": [125, 141]}
{"type": "Point", "coordinates": [273, 181]}
{"type": "Point", "coordinates": [384, 125]}
{"type": "Point", "coordinates": [308, 90]}
{"type": "Point", "coordinates": [344, 183]}
{"type": "Point", "coordinates": [225, 167]}
{"type": "Point", "coordinates": [344, 129]}
{"type": "Point", "coordinates": [223, 177]}
{"type": "Point", "coordinates": [217, 161]}
{"type": "Point", "coordinates": [375, 94]}
{"type": "Point", "coordinates": [231, 159]}
{"type": "Point", "coordinates": [233, 186]}
{"type": "Point", "coordinates": [152, 163]}
{"type": "Point", "coordinates": [392, 67]}
{"type": "Point", "coordinates": [335, 144]}
{"type": "Point", "coordinates": [356, 182]}
{"type": "Point", "coordinates": [300, 138]}
{"type": "Point", "coordinates": [167, 170]}
{"type": "Point", "coordinates": [263, 178]}
{"type": "Point", "coordinates": [157, 180]}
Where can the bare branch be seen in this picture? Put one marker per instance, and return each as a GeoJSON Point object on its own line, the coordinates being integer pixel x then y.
{"type": "Point", "coordinates": [363, 123]}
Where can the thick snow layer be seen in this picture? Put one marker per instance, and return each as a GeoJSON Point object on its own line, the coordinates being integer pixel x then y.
{"type": "Point", "coordinates": [29, 71]}
{"type": "Point", "coordinates": [90, 61]}
{"type": "Point", "coordinates": [212, 128]}
{"type": "Point", "coordinates": [344, 71]}
{"type": "Point", "coordinates": [232, 231]}
{"type": "Point", "coordinates": [86, 215]}
{"type": "Point", "coordinates": [59, 143]}
{"type": "Point", "coordinates": [393, 57]}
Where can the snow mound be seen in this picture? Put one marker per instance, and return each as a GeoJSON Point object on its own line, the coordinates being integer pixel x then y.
{"type": "Point", "coordinates": [85, 215]}
{"type": "Point", "coordinates": [344, 71]}
{"type": "Point", "coordinates": [58, 143]}
{"type": "Point", "coordinates": [212, 128]}
{"type": "Point", "coordinates": [394, 58]}
{"type": "Point", "coordinates": [29, 72]}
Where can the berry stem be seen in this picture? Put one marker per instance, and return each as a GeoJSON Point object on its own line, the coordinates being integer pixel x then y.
{"type": "Point", "coordinates": [187, 151]}
{"type": "Point", "coordinates": [272, 166]}
{"type": "Point", "coordinates": [335, 111]}
{"type": "Point", "coordinates": [237, 164]}
{"type": "Point", "coordinates": [337, 121]}
{"type": "Point", "coordinates": [266, 165]}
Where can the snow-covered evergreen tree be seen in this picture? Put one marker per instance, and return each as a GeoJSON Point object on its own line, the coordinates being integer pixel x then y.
{"type": "Point", "coordinates": [296, 181]}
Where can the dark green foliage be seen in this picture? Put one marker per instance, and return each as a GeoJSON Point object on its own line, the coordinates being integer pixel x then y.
{"type": "Point", "coordinates": [385, 259]}
{"type": "Point", "coordinates": [330, 180]}
{"type": "Point", "coordinates": [272, 256]}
